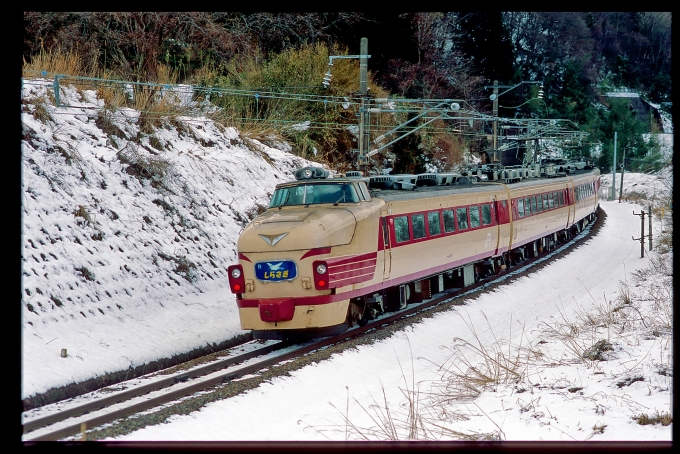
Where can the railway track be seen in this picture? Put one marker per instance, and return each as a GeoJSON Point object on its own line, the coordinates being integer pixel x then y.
{"type": "Point", "coordinates": [138, 397]}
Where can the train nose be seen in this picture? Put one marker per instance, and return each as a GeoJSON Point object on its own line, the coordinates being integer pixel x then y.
{"type": "Point", "coordinates": [298, 229]}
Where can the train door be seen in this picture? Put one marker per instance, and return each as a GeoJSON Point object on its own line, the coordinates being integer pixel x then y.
{"type": "Point", "coordinates": [387, 251]}
{"type": "Point", "coordinates": [502, 210]}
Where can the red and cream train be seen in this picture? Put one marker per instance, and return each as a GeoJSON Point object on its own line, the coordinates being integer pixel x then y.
{"type": "Point", "coordinates": [333, 252]}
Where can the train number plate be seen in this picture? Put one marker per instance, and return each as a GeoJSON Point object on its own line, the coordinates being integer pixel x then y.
{"type": "Point", "coordinates": [275, 271]}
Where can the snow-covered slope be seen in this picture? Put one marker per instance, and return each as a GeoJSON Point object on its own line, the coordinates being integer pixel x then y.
{"type": "Point", "coordinates": [127, 230]}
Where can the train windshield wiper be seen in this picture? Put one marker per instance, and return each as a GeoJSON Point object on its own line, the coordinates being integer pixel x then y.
{"type": "Point", "coordinates": [338, 201]}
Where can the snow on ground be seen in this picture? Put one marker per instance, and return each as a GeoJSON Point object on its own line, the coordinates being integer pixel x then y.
{"type": "Point", "coordinates": [126, 237]}
{"type": "Point", "coordinates": [311, 403]}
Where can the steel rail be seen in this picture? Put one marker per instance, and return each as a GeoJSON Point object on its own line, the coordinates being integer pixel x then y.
{"type": "Point", "coordinates": [145, 389]}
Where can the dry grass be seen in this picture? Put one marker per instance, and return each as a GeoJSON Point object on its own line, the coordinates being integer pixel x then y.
{"type": "Point", "coordinates": [644, 419]}
{"type": "Point", "coordinates": [58, 62]}
{"type": "Point", "coordinates": [476, 367]}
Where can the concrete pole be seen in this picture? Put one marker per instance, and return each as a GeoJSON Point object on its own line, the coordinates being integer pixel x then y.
{"type": "Point", "coordinates": [642, 236]}
{"type": "Point", "coordinates": [614, 171]}
{"type": "Point", "coordinates": [363, 116]}
{"type": "Point", "coordinates": [495, 122]}
{"type": "Point", "coordinates": [623, 160]}
{"type": "Point", "coordinates": [649, 214]}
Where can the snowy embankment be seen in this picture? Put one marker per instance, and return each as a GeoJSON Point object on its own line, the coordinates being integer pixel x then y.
{"type": "Point", "coordinates": [126, 234]}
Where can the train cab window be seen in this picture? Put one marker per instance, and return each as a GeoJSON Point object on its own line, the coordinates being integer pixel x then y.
{"type": "Point", "coordinates": [474, 216]}
{"type": "Point", "coordinates": [520, 207]}
{"type": "Point", "coordinates": [561, 196]}
{"type": "Point", "coordinates": [434, 225]}
{"type": "Point", "coordinates": [527, 206]}
{"type": "Point", "coordinates": [533, 204]}
{"type": "Point", "coordinates": [418, 222]}
{"type": "Point", "coordinates": [461, 215]}
{"type": "Point", "coordinates": [308, 194]}
{"type": "Point", "coordinates": [401, 229]}
{"type": "Point", "coordinates": [449, 226]}
{"type": "Point", "coordinates": [486, 214]}
{"type": "Point", "coordinates": [540, 202]}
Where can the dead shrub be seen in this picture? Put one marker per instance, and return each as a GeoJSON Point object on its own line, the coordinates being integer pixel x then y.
{"type": "Point", "coordinates": [104, 121]}
{"type": "Point", "coordinates": [156, 169]}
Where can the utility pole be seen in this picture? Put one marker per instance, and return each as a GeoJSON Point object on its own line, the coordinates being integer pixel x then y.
{"type": "Point", "coordinates": [614, 171]}
{"type": "Point", "coordinates": [364, 119]}
{"type": "Point", "coordinates": [649, 214]}
{"type": "Point", "coordinates": [495, 121]}
{"type": "Point", "coordinates": [363, 110]}
{"type": "Point", "coordinates": [642, 232]}
{"type": "Point", "coordinates": [494, 98]}
{"type": "Point", "coordinates": [623, 160]}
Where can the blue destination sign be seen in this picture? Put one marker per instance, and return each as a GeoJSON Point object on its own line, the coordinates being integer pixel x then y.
{"type": "Point", "coordinates": [279, 270]}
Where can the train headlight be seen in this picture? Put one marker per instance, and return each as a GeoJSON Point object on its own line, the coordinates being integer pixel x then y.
{"type": "Point", "coordinates": [321, 275]}
{"type": "Point", "coordinates": [237, 282]}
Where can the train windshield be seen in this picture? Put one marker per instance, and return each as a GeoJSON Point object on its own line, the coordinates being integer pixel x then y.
{"type": "Point", "coordinates": [310, 194]}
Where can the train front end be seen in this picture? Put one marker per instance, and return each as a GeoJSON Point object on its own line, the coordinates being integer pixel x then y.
{"type": "Point", "coordinates": [283, 281]}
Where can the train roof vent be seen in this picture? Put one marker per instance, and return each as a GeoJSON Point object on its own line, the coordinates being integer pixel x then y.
{"type": "Point", "coordinates": [353, 174]}
{"type": "Point", "coordinates": [403, 181]}
{"type": "Point", "coordinates": [437, 179]}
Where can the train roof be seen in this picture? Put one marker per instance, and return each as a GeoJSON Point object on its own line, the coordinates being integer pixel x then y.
{"type": "Point", "coordinates": [391, 195]}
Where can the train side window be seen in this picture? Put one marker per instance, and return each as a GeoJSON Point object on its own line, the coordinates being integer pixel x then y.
{"type": "Point", "coordinates": [533, 204]}
{"type": "Point", "coordinates": [401, 229]}
{"type": "Point", "coordinates": [474, 216]}
{"type": "Point", "coordinates": [461, 215]}
{"type": "Point", "coordinates": [540, 202]}
{"type": "Point", "coordinates": [551, 202]}
{"type": "Point", "coordinates": [449, 226]}
{"type": "Point", "coordinates": [527, 206]}
{"type": "Point", "coordinates": [520, 207]}
{"type": "Point", "coordinates": [561, 196]}
{"type": "Point", "coordinates": [359, 192]}
{"type": "Point", "coordinates": [556, 199]}
{"type": "Point", "coordinates": [364, 191]}
{"type": "Point", "coordinates": [486, 214]}
{"type": "Point", "coordinates": [418, 221]}
{"type": "Point", "coordinates": [434, 225]}
{"type": "Point", "coordinates": [545, 201]}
